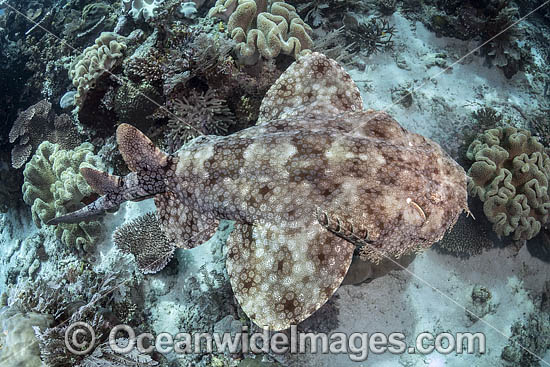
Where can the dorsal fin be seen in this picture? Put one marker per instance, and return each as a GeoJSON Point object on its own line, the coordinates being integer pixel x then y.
{"type": "Point", "coordinates": [314, 84]}
{"type": "Point", "coordinates": [138, 151]}
{"type": "Point", "coordinates": [101, 182]}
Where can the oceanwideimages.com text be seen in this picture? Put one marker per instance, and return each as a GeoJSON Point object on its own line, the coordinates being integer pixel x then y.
{"type": "Point", "coordinates": [80, 339]}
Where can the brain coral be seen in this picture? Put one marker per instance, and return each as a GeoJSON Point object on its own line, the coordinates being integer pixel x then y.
{"type": "Point", "coordinates": [510, 174]}
{"type": "Point", "coordinates": [270, 32]}
{"type": "Point", "coordinates": [95, 61]}
{"type": "Point", "coordinates": [53, 185]}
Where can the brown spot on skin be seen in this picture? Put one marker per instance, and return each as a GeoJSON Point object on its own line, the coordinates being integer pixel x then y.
{"type": "Point", "coordinates": [264, 190]}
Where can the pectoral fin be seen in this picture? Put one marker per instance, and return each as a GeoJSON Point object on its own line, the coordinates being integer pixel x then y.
{"type": "Point", "coordinates": [184, 226]}
{"type": "Point", "coordinates": [281, 275]}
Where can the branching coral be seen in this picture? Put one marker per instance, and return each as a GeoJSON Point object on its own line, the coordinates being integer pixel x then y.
{"type": "Point", "coordinates": [144, 239]}
{"type": "Point", "coordinates": [510, 174]}
{"type": "Point", "coordinates": [263, 29]}
{"type": "Point", "coordinates": [36, 124]}
{"type": "Point", "coordinates": [200, 113]}
{"type": "Point", "coordinates": [372, 36]}
{"type": "Point", "coordinates": [53, 185]}
{"type": "Point", "coordinates": [192, 53]}
{"type": "Point", "coordinates": [87, 297]}
{"type": "Point", "coordinates": [94, 62]}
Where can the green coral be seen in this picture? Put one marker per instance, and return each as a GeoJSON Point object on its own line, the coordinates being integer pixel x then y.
{"type": "Point", "coordinates": [94, 62]}
{"type": "Point", "coordinates": [510, 174]}
{"type": "Point", "coordinates": [267, 30]}
{"type": "Point", "coordinates": [53, 186]}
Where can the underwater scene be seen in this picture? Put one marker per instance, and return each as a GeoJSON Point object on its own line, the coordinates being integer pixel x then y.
{"type": "Point", "coordinates": [263, 183]}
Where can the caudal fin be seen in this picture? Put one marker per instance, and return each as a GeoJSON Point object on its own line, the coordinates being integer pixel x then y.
{"type": "Point", "coordinates": [138, 151]}
{"type": "Point", "coordinates": [147, 179]}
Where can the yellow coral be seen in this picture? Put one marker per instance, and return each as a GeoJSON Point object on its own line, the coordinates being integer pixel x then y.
{"type": "Point", "coordinates": [510, 175]}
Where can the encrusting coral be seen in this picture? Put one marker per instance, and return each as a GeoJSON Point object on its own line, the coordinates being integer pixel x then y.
{"type": "Point", "coordinates": [510, 174]}
{"type": "Point", "coordinates": [143, 238]}
{"type": "Point", "coordinates": [94, 62]}
{"type": "Point", "coordinates": [314, 179]}
{"type": "Point", "coordinates": [52, 185]}
{"type": "Point", "coordinates": [260, 28]}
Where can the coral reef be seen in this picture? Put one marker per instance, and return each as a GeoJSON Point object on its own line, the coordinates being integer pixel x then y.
{"type": "Point", "coordinates": [471, 235]}
{"type": "Point", "coordinates": [199, 114]}
{"type": "Point", "coordinates": [95, 62]}
{"type": "Point", "coordinates": [265, 30]}
{"type": "Point", "coordinates": [37, 124]}
{"type": "Point", "coordinates": [492, 22]}
{"type": "Point", "coordinates": [53, 184]}
{"type": "Point", "coordinates": [79, 297]}
{"type": "Point", "coordinates": [510, 174]}
{"type": "Point", "coordinates": [143, 238]}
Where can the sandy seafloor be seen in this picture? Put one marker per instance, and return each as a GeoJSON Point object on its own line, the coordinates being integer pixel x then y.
{"type": "Point", "coordinates": [399, 301]}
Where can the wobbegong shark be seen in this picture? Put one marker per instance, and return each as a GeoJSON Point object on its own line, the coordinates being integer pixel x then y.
{"type": "Point", "coordinates": [316, 179]}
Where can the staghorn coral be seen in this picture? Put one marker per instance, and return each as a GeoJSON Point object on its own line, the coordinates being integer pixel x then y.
{"type": "Point", "coordinates": [143, 238]}
{"type": "Point", "coordinates": [314, 179]}
{"type": "Point", "coordinates": [96, 61]}
{"type": "Point", "coordinates": [263, 29]}
{"type": "Point", "coordinates": [198, 114]}
{"type": "Point", "coordinates": [53, 184]}
{"type": "Point", "coordinates": [510, 174]}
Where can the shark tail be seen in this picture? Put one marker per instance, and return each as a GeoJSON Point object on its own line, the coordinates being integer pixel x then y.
{"type": "Point", "coordinates": [148, 164]}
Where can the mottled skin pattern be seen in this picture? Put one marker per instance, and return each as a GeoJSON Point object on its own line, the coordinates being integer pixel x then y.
{"type": "Point", "coordinates": [316, 178]}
